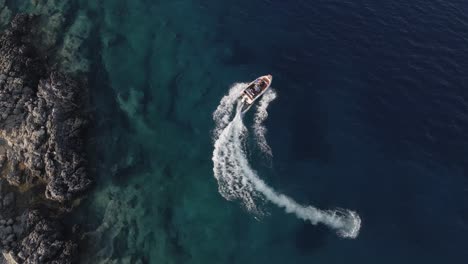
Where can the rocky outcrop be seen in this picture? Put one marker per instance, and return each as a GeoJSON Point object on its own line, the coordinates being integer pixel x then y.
{"type": "Point", "coordinates": [10, 226]}
{"type": "Point", "coordinates": [28, 235]}
{"type": "Point", "coordinates": [41, 150]}
{"type": "Point", "coordinates": [41, 120]}
{"type": "Point", "coordinates": [44, 242]}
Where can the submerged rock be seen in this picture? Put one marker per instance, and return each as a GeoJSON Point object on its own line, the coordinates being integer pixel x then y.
{"type": "Point", "coordinates": [64, 28]}
{"type": "Point", "coordinates": [5, 13]}
{"type": "Point", "coordinates": [70, 54]}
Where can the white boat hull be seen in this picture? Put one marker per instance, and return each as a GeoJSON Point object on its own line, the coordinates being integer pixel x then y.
{"type": "Point", "coordinates": [254, 91]}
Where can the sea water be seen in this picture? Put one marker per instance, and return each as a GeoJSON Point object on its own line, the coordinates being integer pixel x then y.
{"type": "Point", "coordinates": [370, 115]}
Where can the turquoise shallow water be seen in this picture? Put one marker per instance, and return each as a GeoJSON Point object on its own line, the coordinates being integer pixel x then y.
{"type": "Point", "coordinates": [370, 116]}
{"type": "Point", "coordinates": [166, 73]}
{"type": "Point", "coordinates": [163, 72]}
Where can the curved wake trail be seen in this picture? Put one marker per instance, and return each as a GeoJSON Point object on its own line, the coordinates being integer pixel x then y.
{"type": "Point", "coordinates": [238, 181]}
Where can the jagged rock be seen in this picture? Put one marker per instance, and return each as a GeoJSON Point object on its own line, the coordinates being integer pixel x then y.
{"type": "Point", "coordinates": [18, 229]}
{"type": "Point", "coordinates": [11, 237]}
{"type": "Point", "coordinates": [41, 142]}
{"type": "Point", "coordinates": [3, 234]}
{"type": "Point", "coordinates": [2, 161]}
{"type": "Point", "coordinates": [7, 201]}
{"type": "Point", "coordinates": [45, 242]}
{"type": "Point", "coordinates": [42, 120]}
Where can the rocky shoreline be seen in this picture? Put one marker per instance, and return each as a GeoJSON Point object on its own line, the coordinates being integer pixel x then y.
{"type": "Point", "coordinates": [42, 150]}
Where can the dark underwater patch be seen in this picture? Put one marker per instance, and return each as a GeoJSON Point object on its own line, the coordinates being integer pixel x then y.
{"type": "Point", "coordinates": [309, 238]}
{"type": "Point", "coordinates": [239, 55]}
{"type": "Point", "coordinates": [308, 132]}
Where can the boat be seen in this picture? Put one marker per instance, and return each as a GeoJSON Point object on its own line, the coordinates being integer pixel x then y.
{"type": "Point", "coordinates": [254, 90]}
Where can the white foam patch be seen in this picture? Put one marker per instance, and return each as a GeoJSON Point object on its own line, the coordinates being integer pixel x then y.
{"type": "Point", "coordinates": [232, 185]}
{"type": "Point", "coordinates": [238, 181]}
{"type": "Point", "coordinates": [223, 113]}
{"type": "Point", "coordinates": [260, 116]}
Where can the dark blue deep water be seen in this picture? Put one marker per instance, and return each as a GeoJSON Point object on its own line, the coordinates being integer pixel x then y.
{"type": "Point", "coordinates": [373, 105]}
{"type": "Point", "coordinates": [371, 115]}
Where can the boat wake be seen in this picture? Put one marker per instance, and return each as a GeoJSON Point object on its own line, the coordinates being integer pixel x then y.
{"type": "Point", "coordinates": [237, 180]}
{"type": "Point", "coordinates": [260, 117]}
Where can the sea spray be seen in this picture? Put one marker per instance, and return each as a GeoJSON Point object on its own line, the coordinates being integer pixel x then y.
{"type": "Point", "coordinates": [238, 181]}
{"type": "Point", "coordinates": [231, 185]}
{"type": "Point", "coordinates": [223, 112]}
{"type": "Point", "coordinates": [258, 126]}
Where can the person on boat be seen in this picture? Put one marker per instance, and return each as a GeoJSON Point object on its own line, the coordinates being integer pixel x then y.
{"type": "Point", "coordinates": [257, 87]}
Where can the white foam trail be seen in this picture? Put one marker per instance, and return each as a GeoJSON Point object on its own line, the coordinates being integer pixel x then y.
{"type": "Point", "coordinates": [232, 186]}
{"type": "Point", "coordinates": [260, 117]}
{"type": "Point", "coordinates": [223, 113]}
{"type": "Point", "coordinates": [238, 181]}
